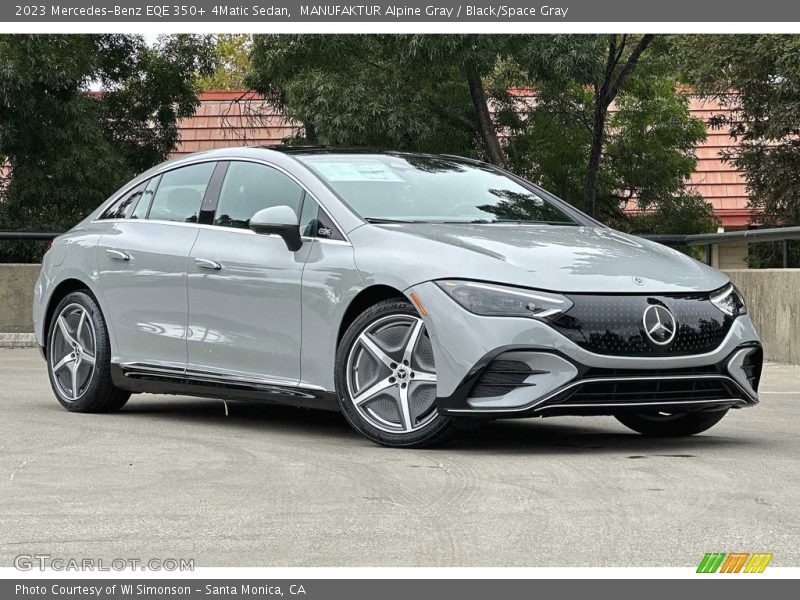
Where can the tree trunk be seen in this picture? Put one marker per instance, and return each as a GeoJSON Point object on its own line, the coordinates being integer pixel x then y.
{"type": "Point", "coordinates": [604, 94]}
{"type": "Point", "coordinates": [595, 154]}
{"type": "Point", "coordinates": [310, 132]}
{"type": "Point", "coordinates": [486, 128]}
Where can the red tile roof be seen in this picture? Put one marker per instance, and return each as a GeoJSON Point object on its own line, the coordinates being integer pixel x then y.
{"type": "Point", "coordinates": [719, 182]}
{"type": "Point", "coordinates": [227, 119]}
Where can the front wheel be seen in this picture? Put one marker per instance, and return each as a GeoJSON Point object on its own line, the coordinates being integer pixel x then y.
{"type": "Point", "coordinates": [386, 378]}
{"type": "Point", "coordinates": [671, 424]}
{"type": "Point", "coordinates": [79, 357]}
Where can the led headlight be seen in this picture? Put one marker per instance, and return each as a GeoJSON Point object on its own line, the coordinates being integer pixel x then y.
{"type": "Point", "coordinates": [503, 301]}
{"type": "Point", "coordinates": [729, 300]}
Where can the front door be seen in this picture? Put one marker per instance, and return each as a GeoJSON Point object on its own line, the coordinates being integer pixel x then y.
{"type": "Point", "coordinates": [244, 288]}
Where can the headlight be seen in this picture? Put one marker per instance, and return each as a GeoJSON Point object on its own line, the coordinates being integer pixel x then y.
{"type": "Point", "coordinates": [502, 301]}
{"type": "Point", "coordinates": [729, 300]}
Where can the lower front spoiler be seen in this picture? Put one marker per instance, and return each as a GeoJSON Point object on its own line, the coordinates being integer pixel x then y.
{"type": "Point", "coordinates": [604, 408]}
{"type": "Point", "coordinates": [678, 394]}
{"type": "Point", "coordinates": [610, 391]}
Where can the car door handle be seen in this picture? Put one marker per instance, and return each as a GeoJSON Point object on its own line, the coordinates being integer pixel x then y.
{"type": "Point", "coordinates": [118, 254]}
{"type": "Point", "coordinates": [205, 263]}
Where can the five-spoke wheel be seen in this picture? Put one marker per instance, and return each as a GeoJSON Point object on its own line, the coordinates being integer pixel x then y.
{"type": "Point", "coordinates": [387, 378]}
{"type": "Point", "coordinates": [72, 351]}
{"type": "Point", "coordinates": [79, 356]}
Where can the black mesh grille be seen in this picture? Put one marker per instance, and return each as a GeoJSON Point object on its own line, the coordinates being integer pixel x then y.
{"type": "Point", "coordinates": [613, 324]}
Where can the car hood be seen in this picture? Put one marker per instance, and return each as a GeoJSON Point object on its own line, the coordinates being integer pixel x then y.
{"type": "Point", "coordinates": [558, 258]}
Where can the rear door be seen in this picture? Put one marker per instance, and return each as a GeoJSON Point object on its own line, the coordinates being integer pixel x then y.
{"type": "Point", "coordinates": [142, 266]}
{"type": "Point", "coordinates": [244, 288]}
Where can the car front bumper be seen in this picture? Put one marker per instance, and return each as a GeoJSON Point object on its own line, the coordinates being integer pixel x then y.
{"type": "Point", "coordinates": [518, 367]}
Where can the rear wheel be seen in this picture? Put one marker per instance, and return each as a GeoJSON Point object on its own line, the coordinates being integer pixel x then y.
{"type": "Point", "coordinates": [386, 378]}
{"type": "Point", "coordinates": [79, 357]}
{"type": "Point", "coordinates": [671, 424]}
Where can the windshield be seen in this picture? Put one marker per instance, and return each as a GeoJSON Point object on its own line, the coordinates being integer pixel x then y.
{"type": "Point", "coordinates": [381, 187]}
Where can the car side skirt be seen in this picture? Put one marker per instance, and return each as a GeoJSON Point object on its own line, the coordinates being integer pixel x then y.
{"type": "Point", "coordinates": [139, 378]}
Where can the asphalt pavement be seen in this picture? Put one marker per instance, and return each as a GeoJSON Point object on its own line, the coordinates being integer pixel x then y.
{"type": "Point", "coordinates": [174, 477]}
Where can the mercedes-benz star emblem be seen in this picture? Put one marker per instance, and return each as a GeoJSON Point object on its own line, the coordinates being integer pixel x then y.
{"type": "Point", "coordinates": [659, 324]}
{"type": "Point", "coordinates": [638, 281]}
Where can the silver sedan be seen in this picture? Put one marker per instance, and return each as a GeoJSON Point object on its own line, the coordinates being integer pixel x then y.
{"type": "Point", "coordinates": [414, 293]}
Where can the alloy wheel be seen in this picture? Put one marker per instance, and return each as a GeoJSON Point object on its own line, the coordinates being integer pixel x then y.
{"type": "Point", "coordinates": [73, 347]}
{"type": "Point", "coordinates": [391, 375]}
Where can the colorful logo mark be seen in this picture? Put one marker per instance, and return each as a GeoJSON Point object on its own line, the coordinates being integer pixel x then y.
{"type": "Point", "coordinates": [734, 562]}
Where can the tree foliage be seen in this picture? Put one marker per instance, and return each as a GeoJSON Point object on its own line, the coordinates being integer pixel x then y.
{"type": "Point", "coordinates": [648, 144]}
{"type": "Point", "coordinates": [231, 54]}
{"type": "Point", "coordinates": [763, 71]}
{"type": "Point", "coordinates": [378, 90]}
{"type": "Point", "coordinates": [66, 147]}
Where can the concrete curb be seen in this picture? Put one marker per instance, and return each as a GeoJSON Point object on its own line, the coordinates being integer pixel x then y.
{"type": "Point", "coordinates": [17, 340]}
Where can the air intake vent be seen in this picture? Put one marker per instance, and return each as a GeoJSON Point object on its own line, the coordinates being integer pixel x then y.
{"type": "Point", "coordinates": [656, 391]}
{"type": "Point", "coordinates": [502, 376]}
{"type": "Point", "coordinates": [751, 365]}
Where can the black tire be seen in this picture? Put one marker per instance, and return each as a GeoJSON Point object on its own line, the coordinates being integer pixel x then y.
{"type": "Point", "coordinates": [677, 425]}
{"type": "Point", "coordinates": [98, 394]}
{"type": "Point", "coordinates": [437, 430]}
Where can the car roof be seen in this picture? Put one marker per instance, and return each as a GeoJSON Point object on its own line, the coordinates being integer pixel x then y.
{"type": "Point", "coordinates": [322, 149]}
{"type": "Point", "coordinates": [300, 150]}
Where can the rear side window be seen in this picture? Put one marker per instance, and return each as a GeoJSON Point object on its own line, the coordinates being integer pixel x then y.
{"type": "Point", "coordinates": [251, 187]}
{"type": "Point", "coordinates": [122, 207]}
{"type": "Point", "coordinates": [140, 212]}
{"type": "Point", "coordinates": [180, 193]}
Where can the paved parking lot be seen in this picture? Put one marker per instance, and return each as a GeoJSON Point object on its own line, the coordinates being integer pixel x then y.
{"type": "Point", "coordinates": [273, 486]}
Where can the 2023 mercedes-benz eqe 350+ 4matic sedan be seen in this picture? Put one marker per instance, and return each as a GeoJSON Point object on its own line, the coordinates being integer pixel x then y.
{"type": "Point", "coordinates": [412, 292]}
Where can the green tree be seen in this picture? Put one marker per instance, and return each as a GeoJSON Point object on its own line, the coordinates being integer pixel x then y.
{"type": "Point", "coordinates": [67, 147]}
{"type": "Point", "coordinates": [757, 77]}
{"type": "Point", "coordinates": [232, 63]}
{"type": "Point", "coordinates": [406, 92]}
{"type": "Point", "coordinates": [607, 124]}
{"type": "Point", "coordinates": [648, 141]}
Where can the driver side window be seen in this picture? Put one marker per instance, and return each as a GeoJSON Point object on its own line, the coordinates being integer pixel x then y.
{"type": "Point", "coordinates": [251, 187]}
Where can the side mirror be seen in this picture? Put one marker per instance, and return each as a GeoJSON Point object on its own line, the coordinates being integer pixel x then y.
{"type": "Point", "coordinates": [278, 220]}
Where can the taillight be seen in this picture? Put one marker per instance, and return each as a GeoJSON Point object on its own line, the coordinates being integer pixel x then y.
{"type": "Point", "coordinates": [49, 245]}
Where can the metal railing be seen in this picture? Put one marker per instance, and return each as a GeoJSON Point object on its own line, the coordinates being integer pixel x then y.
{"type": "Point", "coordinates": [34, 236]}
{"type": "Point", "coordinates": [709, 240]}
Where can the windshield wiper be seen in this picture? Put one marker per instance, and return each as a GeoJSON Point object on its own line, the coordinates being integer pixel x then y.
{"type": "Point", "coordinates": [524, 222]}
{"type": "Point", "coordinates": [467, 222]}
{"type": "Point", "coordinates": [378, 220]}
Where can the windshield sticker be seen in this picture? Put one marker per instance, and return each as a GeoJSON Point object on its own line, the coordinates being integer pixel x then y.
{"type": "Point", "coordinates": [356, 171]}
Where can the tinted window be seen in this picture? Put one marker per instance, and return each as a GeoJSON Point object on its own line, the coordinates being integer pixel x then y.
{"type": "Point", "coordinates": [251, 187]}
{"type": "Point", "coordinates": [433, 189]}
{"type": "Point", "coordinates": [121, 208]}
{"type": "Point", "coordinates": [140, 212]}
{"type": "Point", "coordinates": [180, 193]}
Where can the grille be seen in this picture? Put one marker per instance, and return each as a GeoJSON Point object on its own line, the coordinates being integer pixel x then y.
{"type": "Point", "coordinates": [501, 376]}
{"type": "Point", "coordinates": [613, 324]}
{"type": "Point", "coordinates": [656, 391]}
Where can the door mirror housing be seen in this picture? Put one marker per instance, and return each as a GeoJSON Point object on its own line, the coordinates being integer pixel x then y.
{"type": "Point", "coordinates": [278, 220]}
